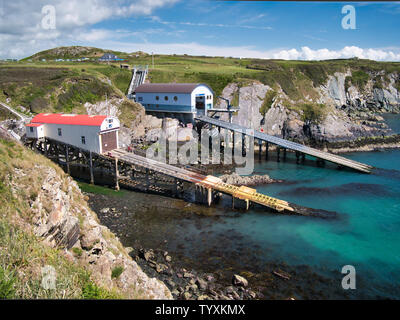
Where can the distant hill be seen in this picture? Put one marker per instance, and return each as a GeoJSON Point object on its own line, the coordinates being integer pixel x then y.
{"type": "Point", "coordinates": [73, 52]}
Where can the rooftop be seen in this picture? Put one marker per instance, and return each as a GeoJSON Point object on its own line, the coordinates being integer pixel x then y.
{"type": "Point", "coordinates": [169, 87]}
{"type": "Point", "coordinates": [71, 119]}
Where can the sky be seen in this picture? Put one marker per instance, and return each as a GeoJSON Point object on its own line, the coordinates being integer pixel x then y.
{"type": "Point", "coordinates": [254, 29]}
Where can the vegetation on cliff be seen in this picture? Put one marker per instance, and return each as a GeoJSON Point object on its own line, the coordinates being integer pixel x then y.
{"type": "Point", "coordinates": [45, 222]}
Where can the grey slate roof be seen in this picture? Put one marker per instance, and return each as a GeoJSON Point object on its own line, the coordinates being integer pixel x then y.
{"type": "Point", "coordinates": [169, 87]}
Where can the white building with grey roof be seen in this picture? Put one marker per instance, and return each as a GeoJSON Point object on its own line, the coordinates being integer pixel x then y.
{"type": "Point", "coordinates": [178, 100]}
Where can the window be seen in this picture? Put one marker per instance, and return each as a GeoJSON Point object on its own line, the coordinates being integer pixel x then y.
{"type": "Point", "coordinates": [175, 98]}
{"type": "Point", "coordinates": [110, 120]}
{"type": "Point", "coordinates": [166, 98]}
{"type": "Point", "coordinates": [59, 132]}
{"type": "Point", "coordinates": [157, 98]}
{"type": "Point", "coordinates": [83, 139]}
{"type": "Point", "coordinates": [30, 129]}
{"type": "Point", "coordinates": [140, 99]}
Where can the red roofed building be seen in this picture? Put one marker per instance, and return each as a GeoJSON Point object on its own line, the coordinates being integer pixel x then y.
{"type": "Point", "coordinates": [93, 133]}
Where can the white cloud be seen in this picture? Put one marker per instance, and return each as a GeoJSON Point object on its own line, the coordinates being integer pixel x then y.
{"type": "Point", "coordinates": [305, 53]}
{"type": "Point", "coordinates": [21, 31]}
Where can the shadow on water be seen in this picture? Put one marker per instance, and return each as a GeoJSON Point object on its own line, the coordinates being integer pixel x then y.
{"type": "Point", "coordinates": [355, 189]}
{"type": "Point", "coordinates": [387, 173]}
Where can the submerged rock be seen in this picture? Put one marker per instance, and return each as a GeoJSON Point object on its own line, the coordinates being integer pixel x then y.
{"type": "Point", "coordinates": [239, 281]}
{"type": "Point", "coordinates": [255, 180]}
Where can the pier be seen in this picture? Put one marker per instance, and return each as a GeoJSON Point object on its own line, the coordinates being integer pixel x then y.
{"type": "Point", "coordinates": [299, 149]}
{"type": "Point", "coordinates": [149, 175]}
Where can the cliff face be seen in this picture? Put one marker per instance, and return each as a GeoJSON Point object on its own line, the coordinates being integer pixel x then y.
{"type": "Point", "coordinates": [349, 110]}
{"type": "Point", "coordinates": [53, 210]}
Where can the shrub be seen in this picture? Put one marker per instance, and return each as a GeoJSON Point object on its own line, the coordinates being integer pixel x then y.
{"type": "Point", "coordinates": [315, 72]}
{"type": "Point", "coordinates": [116, 272]}
{"type": "Point", "coordinates": [7, 280]}
{"type": "Point", "coordinates": [77, 251]}
{"type": "Point", "coordinates": [358, 78]}
{"type": "Point", "coordinates": [313, 113]}
{"type": "Point", "coordinates": [268, 100]}
{"type": "Point", "coordinates": [92, 291]}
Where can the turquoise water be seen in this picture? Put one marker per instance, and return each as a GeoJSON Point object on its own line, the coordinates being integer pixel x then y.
{"type": "Point", "coordinates": [365, 234]}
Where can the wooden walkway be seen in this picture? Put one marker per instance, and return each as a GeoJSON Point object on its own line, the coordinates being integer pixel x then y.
{"type": "Point", "coordinates": [260, 136]}
{"type": "Point", "coordinates": [209, 182]}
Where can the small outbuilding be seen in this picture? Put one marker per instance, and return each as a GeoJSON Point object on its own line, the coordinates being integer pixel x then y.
{"type": "Point", "coordinates": [179, 100]}
{"type": "Point", "coordinates": [97, 133]}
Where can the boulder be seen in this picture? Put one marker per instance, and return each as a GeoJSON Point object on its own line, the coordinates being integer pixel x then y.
{"type": "Point", "coordinates": [239, 281]}
{"type": "Point", "coordinates": [202, 284]}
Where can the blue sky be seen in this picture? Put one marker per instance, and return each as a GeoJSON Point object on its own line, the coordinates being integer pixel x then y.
{"type": "Point", "coordinates": [291, 30]}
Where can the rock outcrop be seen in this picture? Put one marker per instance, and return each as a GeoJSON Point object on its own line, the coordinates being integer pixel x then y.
{"type": "Point", "coordinates": [61, 216]}
{"type": "Point", "coordinates": [254, 180]}
{"type": "Point", "coordinates": [351, 112]}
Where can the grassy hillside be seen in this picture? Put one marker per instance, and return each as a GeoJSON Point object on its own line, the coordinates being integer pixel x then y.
{"type": "Point", "coordinates": [76, 52]}
{"type": "Point", "coordinates": [22, 254]}
{"type": "Point", "coordinates": [50, 88]}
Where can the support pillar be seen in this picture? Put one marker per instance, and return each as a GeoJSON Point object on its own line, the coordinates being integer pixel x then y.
{"type": "Point", "coordinates": [243, 144]}
{"type": "Point", "coordinates": [45, 147]}
{"type": "Point", "coordinates": [247, 204]}
{"type": "Point", "coordinates": [284, 153]}
{"type": "Point", "coordinates": [91, 168]}
{"type": "Point", "coordinates": [233, 202]}
{"type": "Point", "coordinates": [259, 149]}
{"type": "Point", "coordinates": [57, 152]}
{"type": "Point", "coordinates": [116, 174]}
{"type": "Point", "coordinates": [147, 179]}
{"type": "Point", "coordinates": [266, 150]}
{"type": "Point", "coordinates": [209, 196]}
{"type": "Point", "coordinates": [176, 187]}
{"type": "Point", "coordinates": [297, 157]}
{"type": "Point", "coordinates": [67, 158]}
{"type": "Point", "coordinates": [278, 151]}
{"type": "Point", "coordinates": [303, 157]}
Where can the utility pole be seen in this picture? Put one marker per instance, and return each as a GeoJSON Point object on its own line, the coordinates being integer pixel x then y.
{"type": "Point", "coordinates": [152, 59]}
{"type": "Point", "coordinates": [108, 111]}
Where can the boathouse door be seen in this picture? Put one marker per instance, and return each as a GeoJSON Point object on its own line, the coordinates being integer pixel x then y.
{"type": "Point", "coordinates": [201, 105]}
{"type": "Point", "coordinates": [108, 141]}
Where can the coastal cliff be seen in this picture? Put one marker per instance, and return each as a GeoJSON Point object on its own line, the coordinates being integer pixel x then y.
{"type": "Point", "coordinates": [342, 109]}
{"type": "Point", "coordinates": [46, 223]}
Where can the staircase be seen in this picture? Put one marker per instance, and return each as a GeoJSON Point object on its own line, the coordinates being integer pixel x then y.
{"type": "Point", "coordinates": [139, 74]}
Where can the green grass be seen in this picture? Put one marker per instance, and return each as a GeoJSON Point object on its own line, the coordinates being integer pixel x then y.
{"type": "Point", "coordinates": [314, 113]}
{"type": "Point", "coordinates": [91, 291]}
{"type": "Point", "coordinates": [7, 284]}
{"type": "Point", "coordinates": [90, 188]}
{"type": "Point", "coordinates": [267, 102]}
{"type": "Point", "coordinates": [116, 272]}
{"type": "Point", "coordinates": [358, 78]}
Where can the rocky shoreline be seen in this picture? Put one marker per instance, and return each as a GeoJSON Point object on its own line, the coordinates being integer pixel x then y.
{"type": "Point", "coordinates": [208, 265]}
{"type": "Point", "coordinates": [189, 284]}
